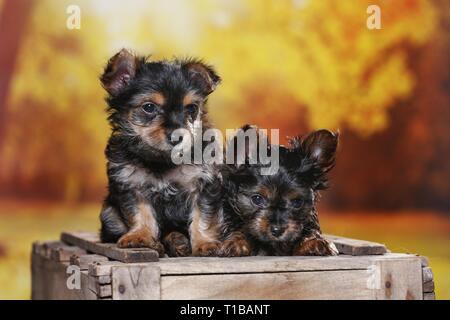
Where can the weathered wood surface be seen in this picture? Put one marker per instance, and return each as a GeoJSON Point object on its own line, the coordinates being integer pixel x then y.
{"type": "Point", "coordinates": [91, 242]}
{"type": "Point", "coordinates": [64, 253]}
{"type": "Point", "coordinates": [50, 277]}
{"type": "Point", "coordinates": [429, 296]}
{"type": "Point", "coordinates": [349, 284]}
{"type": "Point", "coordinates": [387, 276]}
{"type": "Point", "coordinates": [398, 279]}
{"type": "Point", "coordinates": [356, 247]}
{"type": "Point", "coordinates": [49, 281]}
{"type": "Point", "coordinates": [136, 282]}
{"type": "Point", "coordinates": [83, 261]}
{"type": "Point", "coordinates": [258, 264]}
{"type": "Point", "coordinates": [428, 284]}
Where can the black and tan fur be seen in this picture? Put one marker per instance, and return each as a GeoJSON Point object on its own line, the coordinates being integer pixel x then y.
{"type": "Point", "coordinates": [149, 196]}
{"type": "Point", "coordinates": [242, 212]}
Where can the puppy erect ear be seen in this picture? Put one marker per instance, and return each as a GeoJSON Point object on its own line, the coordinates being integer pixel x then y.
{"type": "Point", "coordinates": [120, 70]}
{"type": "Point", "coordinates": [318, 150]}
{"type": "Point", "coordinates": [202, 76]}
{"type": "Point", "coordinates": [320, 147]}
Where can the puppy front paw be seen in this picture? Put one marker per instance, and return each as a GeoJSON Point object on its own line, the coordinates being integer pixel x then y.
{"type": "Point", "coordinates": [316, 247]}
{"type": "Point", "coordinates": [235, 248]}
{"type": "Point", "coordinates": [207, 249]}
{"type": "Point", "coordinates": [140, 239]}
{"type": "Point", "coordinates": [177, 245]}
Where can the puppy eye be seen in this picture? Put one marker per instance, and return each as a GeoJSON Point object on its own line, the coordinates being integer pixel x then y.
{"type": "Point", "coordinates": [149, 107]}
{"type": "Point", "coordinates": [258, 200]}
{"type": "Point", "coordinates": [191, 109]}
{"type": "Point", "coordinates": [297, 203]}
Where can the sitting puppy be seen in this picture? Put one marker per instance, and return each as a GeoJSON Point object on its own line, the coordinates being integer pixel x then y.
{"type": "Point", "coordinates": [150, 197]}
{"type": "Point", "coordinates": [244, 213]}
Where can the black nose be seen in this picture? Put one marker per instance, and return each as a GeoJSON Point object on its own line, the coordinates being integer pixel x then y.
{"type": "Point", "coordinates": [277, 230]}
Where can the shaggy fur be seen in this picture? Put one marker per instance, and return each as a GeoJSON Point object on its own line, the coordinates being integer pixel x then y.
{"type": "Point", "coordinates": [150, 196]}
{"type": "Point", "coordinates": [242, 212]}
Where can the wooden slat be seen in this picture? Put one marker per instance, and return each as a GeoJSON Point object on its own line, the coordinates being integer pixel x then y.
{"type": "Point", "coordinates": [425, 261]}
{"type": "Point", "coordinates": [347, 284]}
{"type": "Point", "coordinates": [400, 279]}
{"type": "Point", "coordinates": [102, 291]}
{"type": "Point", "coordinates": [356, 247]}
{"type": "Point", "coordinates": [49, 281]}
{"type": "Point", "coordinates": [427, 274]}
{"type": "Point", "coordinates": [136, 282]}
{"type": "Point", "coordinates": [90, 242]}
{"type": "Point", "coordinates": [45, 248]}
{"type": "Point", "coordinates": [104, 280]}
{"type": "Point", "coordinates": [65, 252]}
{"type": "Point", "coordinates": [428, 286]}
{"type": "Point", "coordinates": [429, 296]}
{"type": "Point", "coordinates": [83, 261]}
{"type": "Point", "coordinates": [258, 264]}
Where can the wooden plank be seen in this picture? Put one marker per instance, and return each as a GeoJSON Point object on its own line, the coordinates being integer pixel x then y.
{"type": "Point", "coordinates": [90, 242]}
{"type": "Point", "coordinates": [44, 248]}
{"type": "Point", "coordinates": [427, 274]}
{"type": "Point", "coordinates": [428, 287]}
{"type": "Point", "coordinates": [356, 247]}
{"type": "Point", "coordinates": [49, 281]}
{"type": "Point", "coordinates": [103, 268]}
{"type": "Point", "coordinates": [83, 261]}
{"type": "Point", "coordinates": [104, 279]}
{"type": "Point", "coordinates": [399, 279]}
{"type": "Point", "coordinates": [425, 261]}
{"type": "Point", "coordinates": [136, 282]}
{"type": "Point", "coordinates": [258, 264]}
{"type": "Point", "coordinates": [102, 290]}
{"type": "Point", "coordinates": [65, 252]}
{"type": "Point", "coordinates": [347, 284]}
{"type": "Point", "coordinates": [429, 296]}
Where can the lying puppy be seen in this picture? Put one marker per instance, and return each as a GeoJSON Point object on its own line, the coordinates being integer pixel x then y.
{"type": "Point", "coordinates": [150, 197]}
{"type": "Point", "coordinates": [245, 213]}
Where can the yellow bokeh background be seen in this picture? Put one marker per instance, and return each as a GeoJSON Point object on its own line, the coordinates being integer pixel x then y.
{"type": "Point", "coordinates": [293, 65]}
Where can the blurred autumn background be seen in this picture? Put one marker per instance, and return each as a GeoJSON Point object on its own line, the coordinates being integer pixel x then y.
{"type": "Point", "coordinates": [293, 65]}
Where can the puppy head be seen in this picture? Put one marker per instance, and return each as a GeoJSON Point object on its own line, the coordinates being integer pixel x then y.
{"type": "Point", "coordinates": [278, 207]}
{"type": "Point", "coordinates": [148, 100]}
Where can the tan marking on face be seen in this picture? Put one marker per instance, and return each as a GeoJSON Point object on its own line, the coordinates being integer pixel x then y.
{"type": "Point", "coordinates": [265, 192]}
{"type": "Point", "coordinates": [294, 195]}
{"type": "Point", "coordinates": [191, 98]}
{"type": "Point", "coordinates": [154, 134]}
{"type": "Point", "coordinates": [262, 225]}
{"type": "Point", "coordinates": [155, 97]}
{"type": "Point", "coordinates": [292, 227]}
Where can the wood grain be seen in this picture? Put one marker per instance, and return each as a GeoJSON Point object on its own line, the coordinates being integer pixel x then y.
{"type": "Point", "coordinates": [136, 282]}
{"type": "Point", "coordinates": [91, 242]}
{"type": "Point", "coordinates": [349, 284]}
{"type": "Point", "coordinates": [356, 247]}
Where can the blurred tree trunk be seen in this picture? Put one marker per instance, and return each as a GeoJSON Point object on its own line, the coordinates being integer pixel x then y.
{"type": "Point", "coordinates": [13, 19]}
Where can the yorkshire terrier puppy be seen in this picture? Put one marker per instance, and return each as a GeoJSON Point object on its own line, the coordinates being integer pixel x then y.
{"type": "Point", "coordinates": [242, 212]}
{"type": "Point", "coordinates": [150, 197]}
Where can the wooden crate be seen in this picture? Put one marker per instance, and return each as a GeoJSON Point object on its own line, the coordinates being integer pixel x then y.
{"type": "Point", "coordinates": [363, 270]}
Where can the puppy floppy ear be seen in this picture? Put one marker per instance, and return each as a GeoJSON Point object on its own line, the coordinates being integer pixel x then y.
{"type": "Point", "coordinates": [318, 152]}
{"type": "Point", "coordinates": [202, 75]}
{"type": "Point", "coordinates": [119, 71]}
